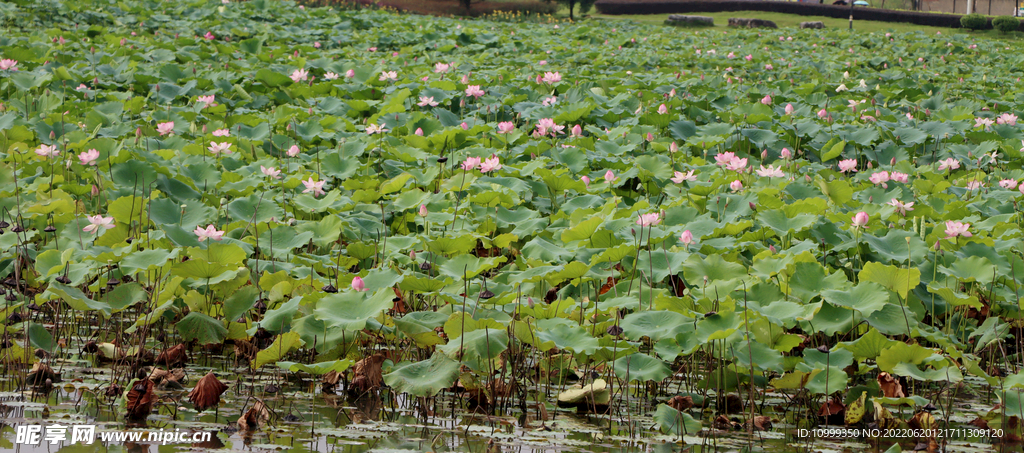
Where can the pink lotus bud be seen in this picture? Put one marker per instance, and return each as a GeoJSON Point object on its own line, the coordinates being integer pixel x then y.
{"type": "Point", "coordinates": [358, 285]}
{"type": "Point", "coordinates": [419, 131]}
{"type": "Point", "coordinates": [771, 248]}
{"type": "Point", "coordinates": [423, 210]}
{"type": "Point", "coordinates": [586, 181]}
{"type": "Point", "coordinates": [764, 154]}
{"type": "Point", "coordinates": [464, 126]}
{"type": "Point", "coordinates": [786, 153]}
{"type": "Point", "coordinates": [673, 147]}
{"type": "Point", "coordinates": [95, 190]}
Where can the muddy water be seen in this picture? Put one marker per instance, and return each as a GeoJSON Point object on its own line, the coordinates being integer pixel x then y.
{"type": "Point", "coordinates": [306, 420]}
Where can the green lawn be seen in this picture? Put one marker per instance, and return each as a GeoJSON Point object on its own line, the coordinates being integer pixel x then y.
{"type": "Point", "coordinates": [792, 20]}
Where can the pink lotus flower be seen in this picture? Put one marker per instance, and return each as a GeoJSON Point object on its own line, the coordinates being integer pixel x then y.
{"type": "Point", "coordinates": [686, 238]}
{"type": "Point", "coordinates": [221, 133]}
{"type": "Point", "coordinates": [549, 101]}
{"type": "Point", "coordinates": [649, 219]}
{"type": "Point", "coordinates": [879, 177]}
{"type": "Point", "coordinates": [8, 65]}
{"type": "Point", "coordinates": [1008, 119]}
{"type": "Point", "coordinates": [899, 177]}
{"type": "Point", "coordinates": [551, 78]}
{"type": "Point", "coordinates": [82, 87]}
{"type": "Point", "coordinates": [217, 148]}
{"type": "Point", "coordinates": [358, 285]}
{"type": "Point", "coordinates": [427, 101]}
{"type": "Point", "coordinates": [165, 128]}
{"type": "Point", "coordinates": [949, 164]}
{"type": "Point", "coordinates": [209, 36]}
{"type": "Point", "coordinates": [423, 210]}
{"type": "Point", "coordinates": [736, 186]}
{"type": "Point", "coordinates": [1008, 184]}
{"type": "Point", "coordinates": [662, 109]}
{"type": "Point", "coordinates": [586, 181]}
{"type": "Point", "coordinates": [270, 171]}
{"type": "Point", "coordinates": [89, 157]}
{"type": "Point", "coordinates": [350, 73]}
{"type": "Point", "coordinates": [330, 76]}
{"type": "Point", "coordinates": [474, 91]}
{"type": "Point", "coordinates": [971, 185]}
{"type": "Point", "coordinates": [419, 131]}
{"type": "Point", "coordinates": [860, 219]}
{"type": "Point", "coordinates": [679, 177]}
{"type": "Point", "coordinates": [98, 223]}
{"type": "Point", "coordinates": [789, 109]}
{"type": "Point", "coordinates": [210, 232]}
{"type": "Point", "coordinates": [465, 78]}
{"type": "Point", "coordinates": [299, 75]}
{"type": "Point", "coordinates": [901, 207]}
{"type": "Point", "coordinates": [375, 129]}
{"type": "Point", "coordinates": [490, 164]}
{"type": "Point", "coordinates": [546, 126]}
{"type": "Point", "coordinates": [317, 187]}
{"type": "Point", "coordinates": [207, 101]}
{"type": "Point", "coordinates": [768, 67]}
{"type": "Point", "coordinates": [748, 57]}
{"type": "Point", "coordinates": [506, 127]}
{"type": "Point", "coordinates": [609, 177]}
{"type": "Point", "coordinates": [673, 147]}
{"type": "Point", "coordinates": [722, 159]}
{"type": "Point", "coordinates": [737, 165]}
{"type": "Point", "coordinates": [48, 151]}
{"type": "Point", "coordinates": [770, 172]}
{"type": "Point", "coordinates": [441, 68]}
{"type": "Point", "coordinates": [822, 113]}
{"type": "Point", "coordinates": [464, 126]}
{"type": "Point", "coordinates": [954, 229]}
{"type": "Point", "coordinates": [767, 100]}
{"type": "Point", "coordinates": [786, 153]}
{"type": "Point", "coordinates": [293, 151]}
{"type": "Point", "coordinates": [983, 122]}
{"type": "Point", "coordinates": [316, 44]}
{"type": "Point", "coordinates": [388, 75]}
{"type": "Point", "coordinates": [471, 163]}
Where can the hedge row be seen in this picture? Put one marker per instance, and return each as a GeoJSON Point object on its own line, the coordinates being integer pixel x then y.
{"type": "Point", "coordinates": [803, 9]}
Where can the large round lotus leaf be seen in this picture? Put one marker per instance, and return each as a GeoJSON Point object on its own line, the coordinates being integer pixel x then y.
{"type": "Point", "coordinates": [425, 378]}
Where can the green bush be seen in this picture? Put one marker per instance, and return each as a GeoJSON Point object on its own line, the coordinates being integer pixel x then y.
{"type": "Point", "coordinates": [1006, 24]}
{"type": "Point", "coordinates": [974, 21]}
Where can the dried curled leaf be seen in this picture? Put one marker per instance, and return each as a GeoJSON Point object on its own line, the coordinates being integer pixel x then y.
{"type": "Point", "coordinates": [246, 350]}
{"type": "Point", "coordinates": [923, 420]}
{"type": "Point", "coordinates": [140, 399]}
{"type": "Point", "coordinates": [207, 392]}
{"type": "Point", "coordinates": [762, 423]}
{"type": "Point", "coordinates": [329, 381]}
{"type": "Point", "coordinates": [681, 403]}
{"type": "Point", "coordinates": [367, 375]}
{"type": "Point", "coordinates": [173, 357]}
{"type": "Point", "coordinates": [41, 373]}
{"type": "Point", "coordinates": [257, 416]}
{"type": "Point", "coordinates": [891, 387]}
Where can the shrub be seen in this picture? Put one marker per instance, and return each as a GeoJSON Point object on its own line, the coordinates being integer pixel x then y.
{"type": "Point", "coordinates": [974, 21]}
{"type": "Point", "coordinates": [1006, 24]}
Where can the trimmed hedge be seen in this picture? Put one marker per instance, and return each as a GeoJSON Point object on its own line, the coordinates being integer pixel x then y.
{"type": "Point", "coordinates": [1006, 24]}
{"type": "Point", "coordinates": [799, 8]}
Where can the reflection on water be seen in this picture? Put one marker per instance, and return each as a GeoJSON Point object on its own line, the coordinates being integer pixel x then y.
{"type": "Point", "coordinates": [305, 420]}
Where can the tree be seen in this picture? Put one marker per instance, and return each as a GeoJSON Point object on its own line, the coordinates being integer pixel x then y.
{"type": "Point", "coordinates": [585, 6]}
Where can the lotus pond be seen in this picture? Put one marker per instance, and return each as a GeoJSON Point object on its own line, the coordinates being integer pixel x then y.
{"type": "Point", "coordinates": [353, 230]}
